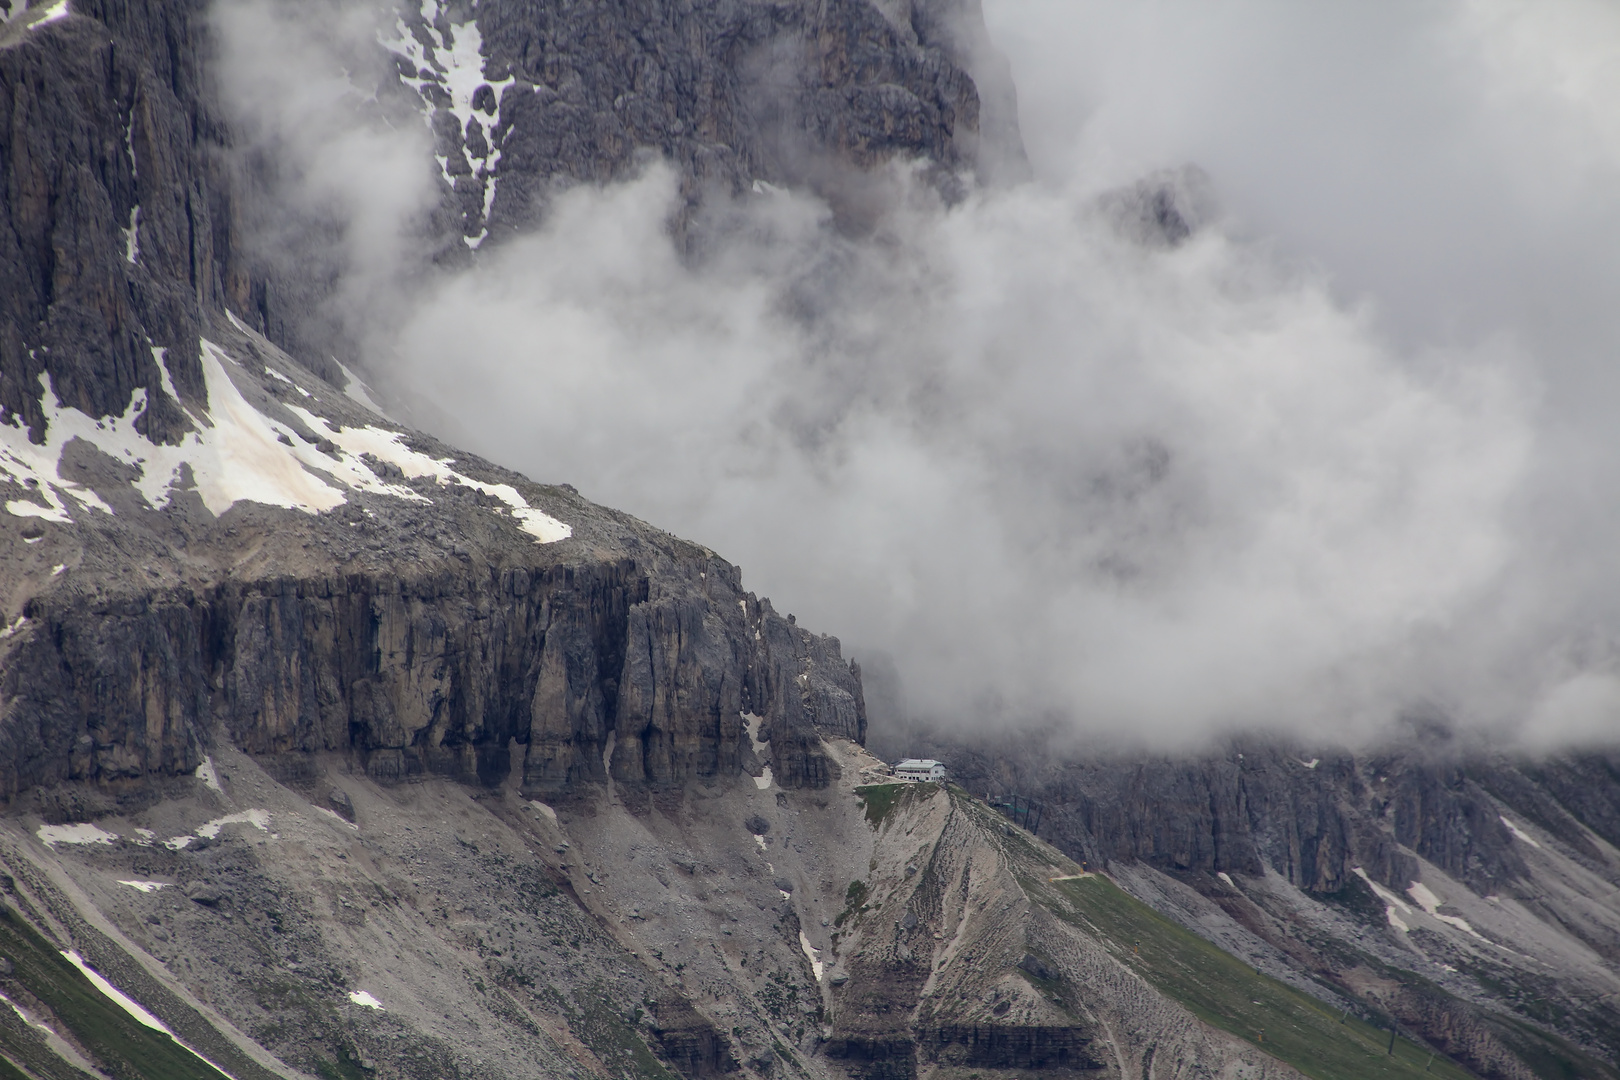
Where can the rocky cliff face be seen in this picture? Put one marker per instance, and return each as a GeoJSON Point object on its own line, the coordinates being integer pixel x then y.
{"type": "Point", "coordinates": [419, 729]}
{"type": "Point", "coordinates": [416, 624]}
{"type": "Point", "coordinates": [432, 674]}
{"type": "Point", "coordinates": [126, 229]}
{"type": "Point", "coordinates": [130, 215]}
{"type": "Point", "coordinates": [1310, 815]}
{"type": "Point", "coordinates": [329, 924]}
{"type": "Point", "coordinates": [1474, 884]}
{"type": "Point", "coordinates": [116, 223]}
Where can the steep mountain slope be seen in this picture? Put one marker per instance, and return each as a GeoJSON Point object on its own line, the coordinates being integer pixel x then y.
{"type": "Point", "coordinates": [734, 925]}
{"type": "Point", "coordinates": [1472, 899]}
{"type": "Point", "coordinates": [312, 578]}
{"type": "Point", "coordinates": [131, 214]}
{"type": "Point", "coordinates": [343, 753]}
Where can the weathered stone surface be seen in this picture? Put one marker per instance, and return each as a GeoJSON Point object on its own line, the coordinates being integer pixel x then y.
{"type": "Point", "coordinates": [417, 675]}
{"type": "Point", "coordinates": [994, 1046]}
{"type": "Point", "coordinates": [787, 92]}
{"type": "Point", "coordinates": [1264, 805]}
{"type": "Point", "coordinates": [130, 215]}
{"type": "Point", "coordinates": [689, 1041]}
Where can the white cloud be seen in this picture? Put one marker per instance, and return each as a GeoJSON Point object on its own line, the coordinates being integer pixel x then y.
{"type": "Point", "coordinates": [1330, 459]}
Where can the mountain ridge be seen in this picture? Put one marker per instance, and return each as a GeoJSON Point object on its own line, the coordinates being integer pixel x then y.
{"type": "Point", "coordinates": [345, 753]}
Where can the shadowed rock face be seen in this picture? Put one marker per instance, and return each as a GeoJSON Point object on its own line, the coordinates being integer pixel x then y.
{"type": "Point", "coordinates": [732, 91]}
{"type": "Point", "coordinates": [1255, 842]}
{"type": "Point", "coordinates": [1309, 815]}
{"type": "Point", "coordinates": [104, 116]}
{"type": "Point", "coordinates": [689, 1041]}
{"type": "Point", "coordinates": [128, 217]}
{"type": "Point", "coordinates": [992, 1046]}
{"type": "Point", "coordinates": [125, 222]}
{"type": "Point", "coordinates": [430, 670]}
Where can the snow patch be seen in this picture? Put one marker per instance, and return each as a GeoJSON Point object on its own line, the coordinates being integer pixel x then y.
{"type": "Point", "coordinates": [1391, 901]}
{"type": "Point", "coordinates": [159, 356]}
{"type": "Point", "coordinates": [1224, 876]}
{"type": "Point", "coordinates": [132, 237]}
{"type": "Point", "coordinates": [206, 773]}
{"type": "Point", "coordinates": [1430, 903]}
{"type": "Point", "coordinates": [453, 69]}
{"type": "Point", "coordinates": [390, 446]}
{"type": "Point", "coordinates": [234, 455]}
{"type": "Point", "coordinates": [259, 819]}
{"type": "Point", "coordinates": [360, 997]}
{"type": "Point", "coordinates": [1520, 834]}
{"type": "Point", "coordinates": [13, 628]}
{"type": "Point", "coordinates": [133, 1007]}
{"type": "Point", "coordinates": [58, 568]}
{"type": "Point", "coordinates": [58, 10]}
{"type": "Point", "coordinates": [237, 454]}
{"type": "Point", "coordinates": [128, 1004]}
{"type": "Point", "coordinates": [546, 811]}
{"type": "Point", "coordinates": [812, 954]}
{"type": "Point", "coordinates": [356, 390]}
{"type": "Point", "coordinates": [51, 835]}
{"type": "Point", "coordinates": [337, 817]}
{"type": "Point", "coordinates": [145, 886]}
{"type": "Point", "coordinates": [176, 843]}
{"type": "Point", "coordinates": [1424, 896]}
{"type": "Point", "coordinates": [29, 1020]}
{"type": "Point", "coordinates": [751, 724]}
{"type": "Point", "coordinates": [1313, 763]}
{"type": "Point", "coordinates": [243, 459]}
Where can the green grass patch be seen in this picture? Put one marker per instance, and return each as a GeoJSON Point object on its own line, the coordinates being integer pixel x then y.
{"type": "Point", "coordinates": [601, 1026]}
{"type": "Point", "coordinates": [854, 898]}
{"type": "Point", "coordinates": [880, 800]}
{"type": "Point", "coordinates": [1226, 993]}
{"type": "Point", "coordinates": [8, 1071]}
{"type": "Point", "coordinates": [124, 1047]}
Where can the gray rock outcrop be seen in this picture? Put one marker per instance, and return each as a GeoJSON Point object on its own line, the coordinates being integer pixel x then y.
{"type": "Point", "coordinates": [131, 214]}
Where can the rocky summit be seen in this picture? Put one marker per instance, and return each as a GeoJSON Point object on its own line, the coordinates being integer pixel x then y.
{"type": "Point", "coordinates": [330, 750]}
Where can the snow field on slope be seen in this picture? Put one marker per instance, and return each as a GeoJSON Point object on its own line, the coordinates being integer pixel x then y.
{"type": "Point", "coordinates": [133, 1007]}
{"type": "Point", "coordinates": [457, 68]}
{"type": "Point", "coordinates": [237, 454]}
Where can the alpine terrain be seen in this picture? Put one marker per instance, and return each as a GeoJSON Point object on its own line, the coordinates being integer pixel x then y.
{"type": "Point", "coordinates": [330, 750]}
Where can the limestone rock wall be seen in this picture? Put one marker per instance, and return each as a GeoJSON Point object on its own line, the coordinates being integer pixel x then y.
{"type": "Point", "coordinates": [130, 212]}
{"type": "Point", "coordinates": [115, 208]}
{"type": "Point", "coordinates": [432, 674]}
{"type": "Point", "coordinates": [1310, 815]}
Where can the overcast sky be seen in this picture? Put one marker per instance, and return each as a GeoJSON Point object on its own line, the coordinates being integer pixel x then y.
{"type": "Point", "coordinates": [1346, 455]}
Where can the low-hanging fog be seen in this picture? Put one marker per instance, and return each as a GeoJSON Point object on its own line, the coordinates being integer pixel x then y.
{"type": "Point", "coordinates": [1343, 457]}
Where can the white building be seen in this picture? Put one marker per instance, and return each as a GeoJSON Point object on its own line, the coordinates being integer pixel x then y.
{"type": "Point", "coordinates": [918, 770]}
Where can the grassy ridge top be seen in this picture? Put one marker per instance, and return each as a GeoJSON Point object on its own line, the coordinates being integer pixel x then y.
{"type": "Point", "coordinates": [1226, 993]}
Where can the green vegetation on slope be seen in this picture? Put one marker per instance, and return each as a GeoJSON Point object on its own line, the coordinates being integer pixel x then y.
{"type": "Point", "coordinates": [880, 800]}
{"type": "Point", "coordinates": [1226, 993]}
{"type": "Point", "coordinates": [617, 1044]}
{"type": "Point", "coordinates": [124, 1047]}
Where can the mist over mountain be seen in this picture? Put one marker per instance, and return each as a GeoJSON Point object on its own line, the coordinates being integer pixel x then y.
{"type": "Point", "coordinates": [1193, 417]}
{"type": "Point", "coordinates": [1326, 457]}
